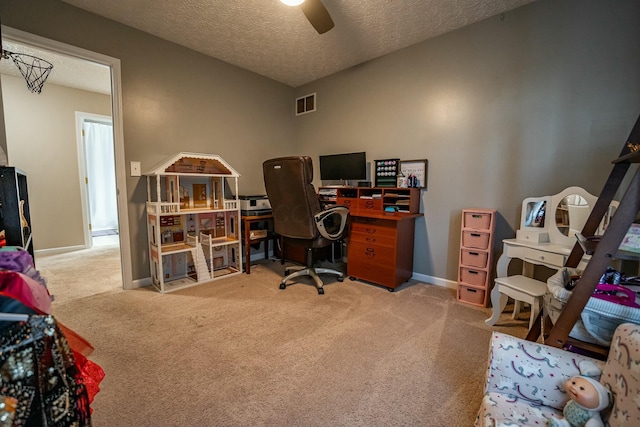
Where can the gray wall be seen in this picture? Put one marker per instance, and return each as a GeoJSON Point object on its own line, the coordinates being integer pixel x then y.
{"type": "Point", "coordinates": [174, 99]}
{"type": "Point", "coordinates": [503, 109]}
{"type": "Point", "coordinates": [53, 175]}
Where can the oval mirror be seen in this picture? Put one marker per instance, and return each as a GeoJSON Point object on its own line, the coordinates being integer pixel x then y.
{"type": "Point", "coordinates": [571, 214]}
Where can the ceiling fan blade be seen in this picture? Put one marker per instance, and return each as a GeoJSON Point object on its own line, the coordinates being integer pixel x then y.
{"type": "Point", "coordinates": [317, 15]}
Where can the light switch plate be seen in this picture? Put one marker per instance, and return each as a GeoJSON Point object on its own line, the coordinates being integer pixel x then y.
{"type": "Point", "coordinates": [135, 169]}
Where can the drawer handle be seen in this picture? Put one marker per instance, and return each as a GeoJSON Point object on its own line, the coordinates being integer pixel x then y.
{"type": "Point", "coordinates": [472, 290]}
{"type": "Point", "coordinates": [371, 239]}
{"type": "Point", "coordinates": [475, 234]}
{"type": "Point", "coordinates": [369, 205]}
{"type": "Point", "coordinates": [473, 272]}
{"type": "Point", "coordinates": [474, 253]}
{"type": "Point", "coordinates": [476, 216]}
{"type": "Point", "coordinates": [370, 252]}
{"type": "Point", "coordinates": [371, 230]}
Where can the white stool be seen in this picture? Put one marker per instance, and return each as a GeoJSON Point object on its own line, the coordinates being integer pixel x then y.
{"type": "Point", "coordinates": [521, 289]}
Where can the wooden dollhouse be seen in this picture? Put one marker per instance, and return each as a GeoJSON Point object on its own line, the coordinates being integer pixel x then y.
{"type": "Point", "coordinates": [193, 221]}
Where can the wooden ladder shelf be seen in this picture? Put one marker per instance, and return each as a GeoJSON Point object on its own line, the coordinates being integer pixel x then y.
{"type": "Point", "coordinates": [602, 249]}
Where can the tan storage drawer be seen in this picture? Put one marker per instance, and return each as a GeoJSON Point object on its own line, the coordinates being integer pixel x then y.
{"type": "Point", "coordinates": [477, 220]}
{"type": "Point", "coordinates": [473, 277]}
{"type": "Point", "coordinates": [471, 295]}
{"type": "Point", "coordinates": [475, 239]}
{"type": "Point", "coordinates": [472, 258]}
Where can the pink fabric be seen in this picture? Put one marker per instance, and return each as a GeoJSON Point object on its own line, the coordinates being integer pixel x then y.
{"type": "Point", "coordinates": [35, 295]}
{"type": "Point", "coordinates": [25, 289]}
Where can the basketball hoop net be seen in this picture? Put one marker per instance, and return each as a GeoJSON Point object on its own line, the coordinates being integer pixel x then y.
{"type": "Point", "coordinates": [34, 70]}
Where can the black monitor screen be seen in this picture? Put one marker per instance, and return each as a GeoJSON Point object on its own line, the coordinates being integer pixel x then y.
{"type": "Point", "coordinates": [343, 166]}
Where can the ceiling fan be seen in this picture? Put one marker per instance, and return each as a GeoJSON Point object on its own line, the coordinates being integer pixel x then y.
{"type": "Point", "coordinates": [315, 12]}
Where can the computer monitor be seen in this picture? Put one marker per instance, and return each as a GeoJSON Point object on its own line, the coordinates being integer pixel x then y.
{"type": "Point", "coordinates": [343, 167]}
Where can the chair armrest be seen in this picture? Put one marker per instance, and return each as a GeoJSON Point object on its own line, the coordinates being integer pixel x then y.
{"type": "Point", "coordinates": [332, 221]}
{"type": "Point", "coordinates": [531, 371]}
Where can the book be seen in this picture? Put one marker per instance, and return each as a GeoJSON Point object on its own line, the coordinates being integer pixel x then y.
{"type": "Point", "coordinates": [631, 241]}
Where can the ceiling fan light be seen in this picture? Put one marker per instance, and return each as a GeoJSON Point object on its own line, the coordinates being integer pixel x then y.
{"type": "Point", "coordinates": [292, 2]}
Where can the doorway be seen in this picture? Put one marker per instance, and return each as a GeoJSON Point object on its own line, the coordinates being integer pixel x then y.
{"type": "Point", "coordinates": [113, 64]}
{"type": "Point", "coordinates": [97, 168]}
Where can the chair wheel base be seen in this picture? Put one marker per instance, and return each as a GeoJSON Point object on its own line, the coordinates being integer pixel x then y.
{"type": "Point", "coordinates": [283, 286]}
{"type": "Point", "coordinates": [340, 279]}
{"type": "Point", "coordinates": [320, 291]}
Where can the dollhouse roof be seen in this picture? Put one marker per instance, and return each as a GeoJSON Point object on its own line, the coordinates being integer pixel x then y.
{"type": "Point", "coordinates": [194, 163]}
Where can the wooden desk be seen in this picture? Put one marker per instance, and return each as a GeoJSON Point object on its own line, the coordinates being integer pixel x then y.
{"type": "Point", "coordinates": [247, 241]}
{"type": "Point", "coordinates": [380, 246]}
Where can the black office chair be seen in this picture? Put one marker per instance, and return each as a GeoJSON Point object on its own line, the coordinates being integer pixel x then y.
{"type": "Point", "coordinates": [297, 214]}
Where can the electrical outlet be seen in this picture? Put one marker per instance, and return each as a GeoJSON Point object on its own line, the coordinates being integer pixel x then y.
{"type": "Point", "coordinates": [135, 169]}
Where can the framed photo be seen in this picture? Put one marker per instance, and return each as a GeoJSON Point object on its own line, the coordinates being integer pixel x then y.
{"type": "Point", "coordinates": [417, 168]}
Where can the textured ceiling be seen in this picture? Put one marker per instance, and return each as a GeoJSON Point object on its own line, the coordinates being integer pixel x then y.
{"type": "Point", "coordinates": [277, 41]}
{"type": "Point", "coordinates": [268, 37]}
{"type": "Point", "coordinates": [67, 70]}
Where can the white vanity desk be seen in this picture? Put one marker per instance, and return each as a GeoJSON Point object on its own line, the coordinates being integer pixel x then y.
{"type": "Point", "coordinates": [532, 253]}
{"type": "Point", "coordinates": [546, 237]}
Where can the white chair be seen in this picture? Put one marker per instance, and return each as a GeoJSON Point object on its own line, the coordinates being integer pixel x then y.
{"type": "Point", "coordinates": [521, 289]}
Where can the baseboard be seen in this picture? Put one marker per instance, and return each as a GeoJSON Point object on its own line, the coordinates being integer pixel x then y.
{"type": "Point", "coordinates": [53, 251]}
{"type": "Point", "coordinates": [141, 283]}
{"type": "Point", "coordinates": [435, 280]}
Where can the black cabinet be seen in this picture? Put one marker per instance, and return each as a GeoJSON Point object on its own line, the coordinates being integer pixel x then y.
{"type": "Point", "coordinates": [15, 218]}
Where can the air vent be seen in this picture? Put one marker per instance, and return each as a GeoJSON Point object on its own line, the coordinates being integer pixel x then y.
{"type": "Point", "coordinates": [306, 104]}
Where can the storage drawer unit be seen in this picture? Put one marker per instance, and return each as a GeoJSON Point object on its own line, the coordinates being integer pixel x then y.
{"type": "Point", "coordinates": [381, 250]}
{"type": "Point", "coordinates": [476, 250]}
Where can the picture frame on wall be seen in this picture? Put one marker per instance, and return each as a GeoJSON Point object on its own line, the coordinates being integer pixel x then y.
{"type": "Point", "coordinates": [417, 168]}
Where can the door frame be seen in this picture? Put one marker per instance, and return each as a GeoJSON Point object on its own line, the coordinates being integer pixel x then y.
{"type": "Point", "coordinates": [19, 36]}
{"type": "Point", "coordinates": [81, 117]}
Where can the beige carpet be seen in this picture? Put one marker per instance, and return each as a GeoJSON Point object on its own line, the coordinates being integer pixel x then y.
{"type": "Point", "coordinates": [241, 352]}
{"type": "Point", "coordinates": [79, 274]}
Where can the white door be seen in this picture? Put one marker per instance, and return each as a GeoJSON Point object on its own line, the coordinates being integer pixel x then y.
{"type": "Point", "coordinates": [99, 175]}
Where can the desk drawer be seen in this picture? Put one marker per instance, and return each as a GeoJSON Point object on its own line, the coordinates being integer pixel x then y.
{"type": "Point", "coordinates": [477, 220]}
{"type": "Point", "coordinates": [363, 252]}
{"type": "Point", "coordinates": [473, 277]}
{"type": "Point", "coordinates": [472, 258]}
{"type": "Point", "coordinates": [475, 239]}
{"type": "Point", "coordinates": [374, 239]}
{"type": "Point", "coordinates": [540, 257]}
{"type": "Point", "coordinates": [370, 204]}
{"type": "Point", "coordinates": [349, 202]}
{"type": "Point", "coordinates": [373, 226]}
{"type": "Point", "coordinates": [373, 263]}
